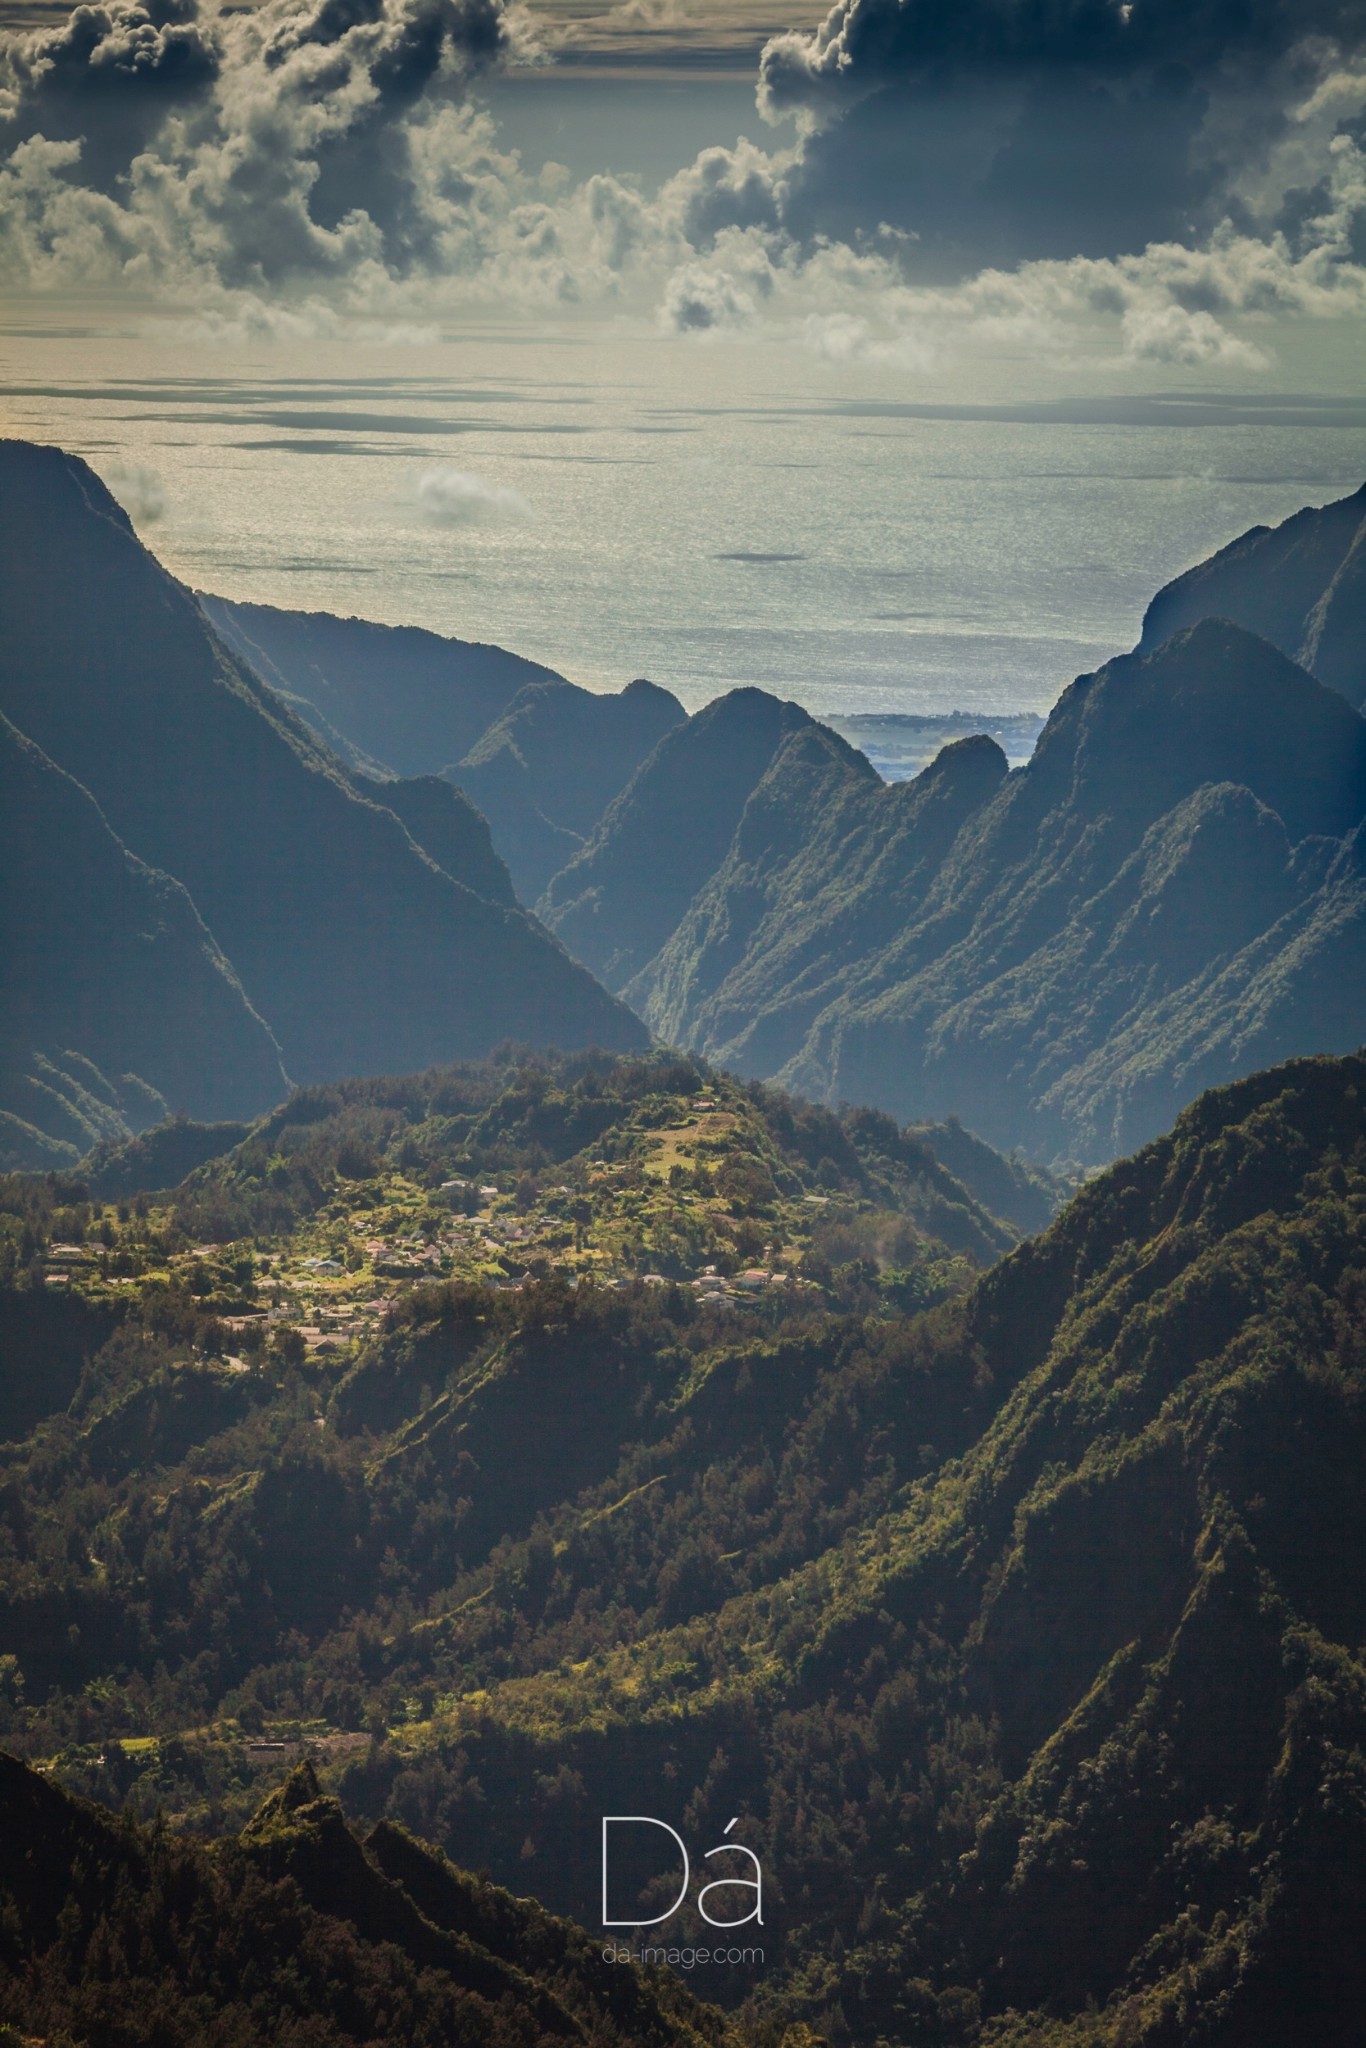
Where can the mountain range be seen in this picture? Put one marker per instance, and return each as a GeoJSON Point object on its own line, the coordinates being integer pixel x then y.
{"type": "Point", "coordinates": [403, 1471]}
{"type": "Point", "coordinates": [1018, 1637]}
{"type": "Point", "coordinates": [312, 921]}
{"type": "Point", "coordinates": [539, 756]}
{"type": "Point", "coordinates": [1169, 893]}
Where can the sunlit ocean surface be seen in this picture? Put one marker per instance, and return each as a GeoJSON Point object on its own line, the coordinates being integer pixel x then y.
{"type": "Point", "coordinates": [704, 515]}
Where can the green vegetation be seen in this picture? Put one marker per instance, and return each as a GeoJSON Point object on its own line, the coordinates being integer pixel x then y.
{"type": "Point", "coordinates": [335, 1381]}
{"type": "Point", "coordinates": [299, 1932]}
{"type": "Point", "coordinates": [1018, 1621]}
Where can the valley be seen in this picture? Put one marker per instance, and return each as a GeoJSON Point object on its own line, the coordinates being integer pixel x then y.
{"type": "Point", "coordinates": [920, 1572]}
{"type": "Point", "coordinates": [562, 1260]}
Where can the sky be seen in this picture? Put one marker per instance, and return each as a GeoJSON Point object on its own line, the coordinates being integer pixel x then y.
{"type": "Point", "coordinates": [984, 205]}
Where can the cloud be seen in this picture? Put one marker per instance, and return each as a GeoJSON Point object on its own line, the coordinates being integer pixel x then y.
{"type": "Point", "coordinates": [698, 300]}
{"type": "Point", "coordinates": [1168, 334]}
{"type": "Point", "coordinates": [248, 318]}
{"type": "Point", "coordinates": [1070, 180]}
{"type": "Point", "coordinates": [139, 490]}
{"type": "Point", "coordinates": [451, 497]}
{"type": "Point", "coordinates": [110, 76]}
{"type": "Point", "coordinates": [651, 15]}
{"type": "Point", "coordinates": [1168, 303]}
{"type": "Point", "coordinates": [258, 151]}
{"type": "Point", "coordinates": [999, 131]}
{"type": "Point", "coordinates": [864, 45]}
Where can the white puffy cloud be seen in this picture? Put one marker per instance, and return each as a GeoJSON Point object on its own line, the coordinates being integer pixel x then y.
{"type": "Point", "coordinates": [140, 491]}
{"type": "Point", "coordinates": [1169, 334]}
{"type": "Point", "coordinates": [1196, 304]}
{"type": "Point", "coordinates": [699, 299]}
{"type": "Point", "coordinates": [452, 497]}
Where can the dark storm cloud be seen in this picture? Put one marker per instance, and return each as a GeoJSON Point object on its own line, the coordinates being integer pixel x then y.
{"type": "Point", "coordinates": [365, 167]}
{"type": "Point", "coordinates": [110, 75]}
{"type": "Point", "coordinates": [865, 44]}
{"type": "Point", "coordinates": [998, 131]}
{"type": "Point", "coordinates": [1068, 166]}
{"type": "Point", "coordinates": [261, 146]}
{"type": "Point", "coordinates": [1015, 163]}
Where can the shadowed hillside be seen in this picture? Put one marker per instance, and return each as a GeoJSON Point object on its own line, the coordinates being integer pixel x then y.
{"type": "Point", "coordinates": [297, 1931]}
{"type": "Point", "coordinates": [541, 757]}
{"type": "Point", "coordinates": [358, 931]}
{"type": "Point", "coordinates": [1019, 1633]}
{"type": "Point", "coordinates": [116, 1004]}
{"type": "Point", "coordinates": [1300, 585]}
{"type": "Point", "coordinates": [408, 699]}
{"type": "Point", "coordinates": [617, 901]}
{"type": "Point", "coordinates": [545, 772]}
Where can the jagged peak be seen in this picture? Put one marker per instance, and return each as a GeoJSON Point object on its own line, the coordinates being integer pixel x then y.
{"type": "Point", "coordinates": [812, 741]}
{"type": "Point", "coordinates": [299, 1790]}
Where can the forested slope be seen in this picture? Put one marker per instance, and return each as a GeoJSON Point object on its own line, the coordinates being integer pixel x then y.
{"type": "Point", "coordinates": [1020, 1632]}
{"type": "Point", "coordinates": [296, 1931]}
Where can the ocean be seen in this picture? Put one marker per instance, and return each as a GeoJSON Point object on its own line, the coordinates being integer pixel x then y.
{"type": "Point", "coordinates": [615, 504]}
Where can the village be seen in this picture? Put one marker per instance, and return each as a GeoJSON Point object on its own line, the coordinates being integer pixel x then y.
{"type": "Point", "coordinates": [649, 1220]}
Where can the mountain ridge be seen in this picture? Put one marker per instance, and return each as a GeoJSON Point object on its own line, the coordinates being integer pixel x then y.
{"type": "Point", "coordinates": [299, 1925]}
{"type": "Point", "coordinates": [112, 982]}
{"type": "Point", "coordinates": [1300, 585]}
{"type": "Point", "coordinates": [356, 945]}
{"type": "Point", "coordinates": [439, 695]}
{"type": "Point", "coordinates": [665, 832]}
{"type": "Point", "coordinates": [1018, 946]}
{"type": "Point", "coordinates": [545, 771]}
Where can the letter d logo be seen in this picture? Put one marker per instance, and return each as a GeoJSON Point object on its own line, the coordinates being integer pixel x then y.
{"type": "Point", "coordinates": [644, 1820]}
